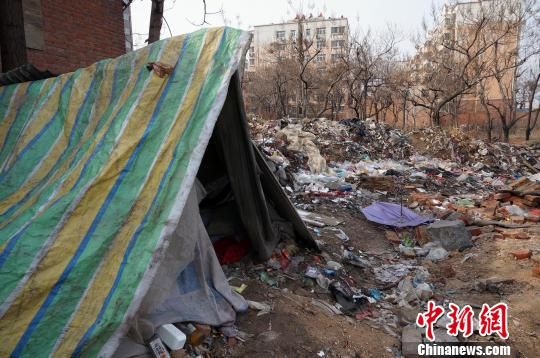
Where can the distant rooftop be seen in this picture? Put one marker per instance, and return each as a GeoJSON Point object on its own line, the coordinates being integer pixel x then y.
{"type": "Point", "coordinates": [307, 18]}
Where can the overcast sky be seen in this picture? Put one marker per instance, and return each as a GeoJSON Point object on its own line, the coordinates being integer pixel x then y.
{"type": "Point", "coordinates": [185, 15]}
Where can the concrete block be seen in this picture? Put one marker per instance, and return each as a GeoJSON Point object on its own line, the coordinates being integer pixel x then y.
{"type": "Point", "coordinates": [451, 234]}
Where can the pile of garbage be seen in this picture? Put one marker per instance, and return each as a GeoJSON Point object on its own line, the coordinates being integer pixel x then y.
{"type": "Point", "coordinates": [433, 193]}
{"type": "Point", "coordinates": [356, 162]}
{"type": "Point", "coordinates": [454, 144]}
{"type": "Point", "coordinates": [311, 144]}
{"type": "Point", "coordinates": [468, 186]}
{"type": "Point", "coordinates": [337, 141]}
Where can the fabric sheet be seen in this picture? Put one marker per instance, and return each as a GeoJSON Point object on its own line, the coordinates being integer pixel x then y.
{"type": "Point", "coordinates": [95, 168]}
{"type": "Point", "coordinates": [190, 285]}
{"type": "Point", "coordinates": [393, 215]}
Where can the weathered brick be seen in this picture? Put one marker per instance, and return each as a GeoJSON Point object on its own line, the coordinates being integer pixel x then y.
{"type": "Point", "coordinates": [77, 34]}
{"type": "Point", "coordinates": [521, 254]}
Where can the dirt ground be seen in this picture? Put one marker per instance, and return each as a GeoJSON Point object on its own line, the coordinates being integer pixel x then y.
{"type": "Point", "coordinates": [298, 328]}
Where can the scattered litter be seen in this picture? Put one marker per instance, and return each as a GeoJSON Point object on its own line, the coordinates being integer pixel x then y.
{"type": "Point", "coordinates": [239, 289]}
{"type": "Point", "coordinates": [263, 308]}
{"type": "Point", "coordinates": [391, 273]}
{"type": "Point", "coordinates": [437, 254]}
{"type": "Point", "coordinates": [342, 236]}
{"type": "Point", "coordinates": [265, 277]}
{"type": "Point", "coordinates": [318, 220]}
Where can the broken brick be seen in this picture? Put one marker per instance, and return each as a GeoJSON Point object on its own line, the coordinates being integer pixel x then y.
{"type": "Point", "coordinates": [421, 235]}
{"type": "Point", "coordinates": [536, 271]}
{"type": "Point", "coordinates": [488, 228]}
{"type": "Point", "coordinates": [384, 183]}
{"type": "Point", "coordinates": [521, 181]}
{"type": "Point", "coordinates": [517, 219]}
{"type": "Point", "coordinates": [502, 196]}
{"type": "Point", "coordinates": [522, 254]}
{"type": "Point", "coordinates": [516, 235]}
{"type": "Point", "coordinates": [475, 230]}
{"type": "Point", "coordinates": [467, 219]}
{"type": "Point", "coordinates": [444, 214]}
{"type": "Point", "coordinates": [532, 198]}
{"type": "Point", "coordinates": [521, 236]}
{"type": "Point", "coordinates": [497, 236]}
{"type": "Point", "coordinates": [392, 237]}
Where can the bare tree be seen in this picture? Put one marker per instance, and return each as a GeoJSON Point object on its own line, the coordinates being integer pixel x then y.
{"type": "Point", "coordinates": [273, 83]}
{"type": "Point", "coordinates": [484, 103]}
{"type": "Point", "coordinates": [460, 54]}
{"type": "Point", "coordinates": [532, 94]}
{"type": "Point", "coordinates": [510, 56]}
{"type": "Point", "coordinates": [156, 20]}
{"type": "Point", "coordinates": [367, 67]}
{"type": "Point", "coordinates": [331, 89]}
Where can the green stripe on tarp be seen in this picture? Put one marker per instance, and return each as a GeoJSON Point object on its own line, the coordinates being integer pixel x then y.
{"type": "Point", "coordinates": [39, 230]}
{"type": "Point", "coordinates": [59, 312]}
{"type": "Point", "coordinates": [149, 233]}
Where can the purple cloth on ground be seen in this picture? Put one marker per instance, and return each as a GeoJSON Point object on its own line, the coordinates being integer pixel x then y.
{"type": "Point", "coordinates": [390, 214]}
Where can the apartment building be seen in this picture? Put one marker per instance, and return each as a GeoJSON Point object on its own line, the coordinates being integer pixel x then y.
{"type": "Point", "coordinates": [326, 35]}
{"type": "Point", "coordinates": [458, 27]}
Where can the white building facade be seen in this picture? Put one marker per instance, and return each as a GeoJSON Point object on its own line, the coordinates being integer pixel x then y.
{"type": "Point", "coordinates": [328, 36]}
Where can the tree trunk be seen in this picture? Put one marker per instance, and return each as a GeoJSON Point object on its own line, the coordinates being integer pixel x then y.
{"type": "Point", "coordinates": [305, 100]}
{"type": "Point", "coordinates": [489, 119]}
{"type": "Point", "coordinates": [12, 39]}
{"type": "Point", "coordinates": [364, 96]}
{"type": "Point", "coordinates": [156, 20]}
{"type": "Point", "coordinates": [506, 133]}
{"type": "Point", "coordinates": [357, 112]}
{"type": "Point", "coordinates": [404, 111]}
{"type": "Point", "coordinates": [532, 95]}
{"type": "Point", "coordinates": [490, 129]}
{"type": "Point", "coordinates": [437, 118]}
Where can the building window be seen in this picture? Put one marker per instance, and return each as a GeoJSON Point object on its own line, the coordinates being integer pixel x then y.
{"type": "Point", "coordinates": [448, 21]}
{"type": "Point", "coordinates": [281, 47]}
{"type": "Point", "coordinates": [252, 51]}
{"type": "Point", "coordinates": [252, 62]}
{"type": "Point", "coordinates": [308, 32]}
{"type": "Point", "coordinates": [293, 34]}
{"type": "Point", "coordinates": [338, 30]}
{"type": "Point", "coordinates": [321, 57]}
{"type": "Point", "coordinates": [321, 32]}
{"type": "Point", "coordinates": [334, 57]}
{"type": "Point", "coordinates": [280, 35]}
{"type": "Point", "coordinates": [321, 44]}
{"type": "Point", "coordinates": [338, 43]}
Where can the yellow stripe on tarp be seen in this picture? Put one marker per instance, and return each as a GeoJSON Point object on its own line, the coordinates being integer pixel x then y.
{"type": "Point", "coordinates": [39, 121]}
{"type": "Point", "coordinates": [68, 183]}
{"type": "Point", "coordinates": [18, 98]}
{"type": "Point", "coordinates": [80, 88]}
{"type": "Point", "coordinates": [15, 321]}
{"type": "Point", "coordinates": [97, 292]}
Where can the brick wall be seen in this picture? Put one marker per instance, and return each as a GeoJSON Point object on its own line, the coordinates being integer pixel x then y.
{"type": "Point", "coordinates": [79, 33]}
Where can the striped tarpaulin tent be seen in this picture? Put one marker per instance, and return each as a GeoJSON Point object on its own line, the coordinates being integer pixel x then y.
{"type": "Point", "coordinates": [95, 167]}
